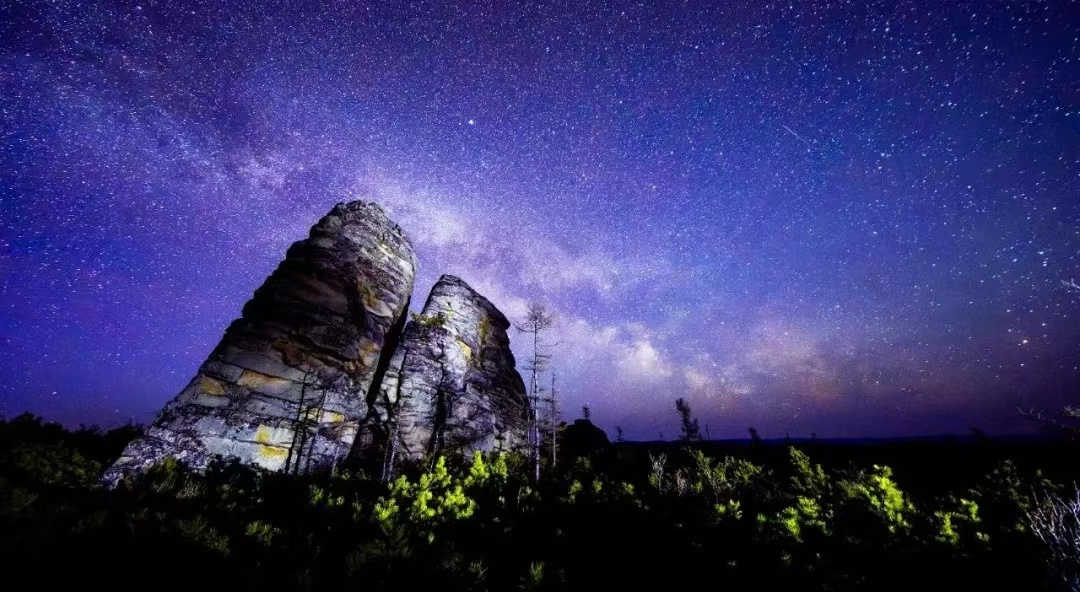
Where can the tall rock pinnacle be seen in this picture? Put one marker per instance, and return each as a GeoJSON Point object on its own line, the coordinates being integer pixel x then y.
{"type": "Point", "coordinates": [451, 383]}
{"type": "Point", "coordinates": [288, 385]}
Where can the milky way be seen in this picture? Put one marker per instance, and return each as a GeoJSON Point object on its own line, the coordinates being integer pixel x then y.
{"type": "Point", "coordinates": [841, 218]}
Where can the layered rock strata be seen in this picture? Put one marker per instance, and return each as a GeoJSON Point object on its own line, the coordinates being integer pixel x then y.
{"type": "Point", "coordinates": [451, 385]}
{"type": "Point", "coordinates": [288, 386]}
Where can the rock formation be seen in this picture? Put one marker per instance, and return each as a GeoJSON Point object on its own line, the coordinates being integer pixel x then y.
{"type": "Point", "coordinates": [451, 383]}
{"type": "Point", "coordinates": [322, 354]}
{"type": "Point", "coordinates": [288, 385]}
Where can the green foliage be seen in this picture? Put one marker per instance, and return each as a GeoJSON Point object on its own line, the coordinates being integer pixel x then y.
{"type": "Point", "coordinates": [807, 479]}
{"type": "Point", "coordinates": [428, 323]}
{"type": "Point", "coordinates": [805, 515]}
{"type": "Point", "coordinates": [168, 476]}
{"type": "Point", "coordinates": [575, 489]}
{"type": "Point", "coordinates": [430, 502]}
{"type": "Point", "coordinates": [482, 473]}
{"type": "Point", "coordinates": [880, 493]}
{"type": "Point", "coordinates": [761, 515]}
{"type": "Point", "coordinates": [809, 506]}
{"type": "Point", "coordinates": [656, 473]}
{"type": "Point", "coordinates": [959, 521]}
{"type": "Point", "coordinates": [1006, 496]}
{"type": "Point", "coordinates": [55, 464]}
{"type": "Point", "coordinates": [731, 509]}
{"type": "Point", "coordinates": [320, 497]}
{"type": "Point", "coordinates": [199, 532]}
{"type": "Point", "coordinates": [688, 424]}
{"type": "Point", "coordinates": [262, 532]}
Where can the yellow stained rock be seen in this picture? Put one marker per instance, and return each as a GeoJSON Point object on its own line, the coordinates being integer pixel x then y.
{"type": "Point", "coordinates": [264, 437]}
{"type": "Point", "coordinates": [258, 381]}
{"type": "Point", "coordinates": [323, 416]}
{"type": "Point", "coordinates": [210, 386]}
{"type": "Point", "coordinates": [369, 347]}
{"type": "Point", "coordinates": [264, 434]}
{"type": "Point", "coordinates": [268, 451]}
{"type": "Point", "coordinates": [466, 350]}
{"type": "Point", "coordinates": [485, 328]}
{"type": "Point", "coordinates": [333, 417]}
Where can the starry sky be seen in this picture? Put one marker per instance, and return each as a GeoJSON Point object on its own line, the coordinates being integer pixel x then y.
{"type": "Point", "coordinates": [842, 218]}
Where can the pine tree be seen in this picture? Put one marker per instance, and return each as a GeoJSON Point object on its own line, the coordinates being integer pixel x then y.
{"type": "Point", "coordinates": [690, 429]}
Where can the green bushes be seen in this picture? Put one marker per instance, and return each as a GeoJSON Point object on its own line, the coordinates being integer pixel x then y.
{"type": "Point", "coordinates": [661, 519]}
{"type": "Point", "coordinates": [877, 493]}
{"type": "Point", "coordinates": [434, 500]}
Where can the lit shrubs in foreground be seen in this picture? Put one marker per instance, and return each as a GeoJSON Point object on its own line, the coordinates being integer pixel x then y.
{"type": "Point", "coordinates": [880, 493]}
{"type": "Point", "coordinates": [439, 497]}
{"type": "Point", "coordinates": [483, 524]}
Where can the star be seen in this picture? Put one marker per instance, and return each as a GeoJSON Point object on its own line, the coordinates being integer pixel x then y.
{"type": "Point", "coordinates": [755, 210]}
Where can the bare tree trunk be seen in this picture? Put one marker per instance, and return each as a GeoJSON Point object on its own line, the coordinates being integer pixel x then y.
{"type": "Point", "coordinates": [315, 425]}
{"type": "Point", "coordinates": [391, 450]}
{"type": "Point", "coordinates": [536, 320]}
{"type": "Point", "coordinates": [535, 404]}
{"type": "Point", "coordinates": [554, 422]}
{"type": "Point", "coordinates": [298, 430]}
{"type": "Point", "coordinates": [391, 420]}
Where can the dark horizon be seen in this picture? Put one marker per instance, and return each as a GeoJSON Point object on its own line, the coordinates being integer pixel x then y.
{"type": "Point", "coordinates": [829, 218]}
{"type": "Point", "coordinates": [1040, 431]}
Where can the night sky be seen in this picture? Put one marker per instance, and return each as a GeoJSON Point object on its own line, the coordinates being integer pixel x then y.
{"type": "Point", "coordinates": [841, 218]}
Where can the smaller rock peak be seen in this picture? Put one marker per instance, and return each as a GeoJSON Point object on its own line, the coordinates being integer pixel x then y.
{"type": "Point", "coordinates": [455, 388]}
{"type": "Point", "coordinates": [358, 205]}
{"type": "Point", "coordinates": [451, 287]}
{"type": "Point", "coordinates": [453, 279]}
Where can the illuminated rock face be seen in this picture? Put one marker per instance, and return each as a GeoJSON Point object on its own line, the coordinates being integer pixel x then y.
{"type": "Point", "coordinates": [288, 385]}
{"type": "Point", "coordinates": [451, 385]}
